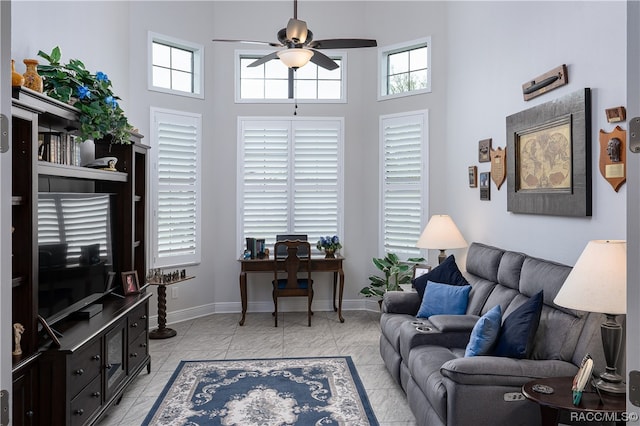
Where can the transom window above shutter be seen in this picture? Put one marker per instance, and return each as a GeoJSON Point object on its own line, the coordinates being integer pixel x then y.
{"type": "Point", "coordinates": [404, 193]}
{"type": "Point", "coordinates": [177, 194]}
{"type": "Point", "coordinates": [291, 178]}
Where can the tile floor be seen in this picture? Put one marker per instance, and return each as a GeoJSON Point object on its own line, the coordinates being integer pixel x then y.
{"type": "Point", "coordinates": [219, 336]}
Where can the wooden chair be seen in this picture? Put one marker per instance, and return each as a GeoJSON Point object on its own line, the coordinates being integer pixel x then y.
{"type": "Point", "coordinates": [286, 283]}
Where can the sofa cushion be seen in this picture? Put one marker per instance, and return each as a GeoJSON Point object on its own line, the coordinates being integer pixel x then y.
{"type": "Point", "coordinates": [447, 272]}
{"type": "Point", "coordinates": [444, 299]}
{"type": "Point", "coordinates": [485, 333]}
{"type": "Point", "coordinates": [483, 261]}
{"type": "Point", "coordinates": [518, 330]}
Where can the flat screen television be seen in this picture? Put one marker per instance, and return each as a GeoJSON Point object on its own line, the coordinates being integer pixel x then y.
{"type": "Point", "coordinates": [75, 251]}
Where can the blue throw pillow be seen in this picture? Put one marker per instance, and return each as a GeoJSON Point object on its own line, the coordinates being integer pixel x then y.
{"type": "Point", "coordinates": [519, 329]}
{"type": "Point", "coordinates": [447, 272]}
{"type": "Point", "coordinates": [444, 299]}
{"type": "Point", "coordinates": [485, 333]}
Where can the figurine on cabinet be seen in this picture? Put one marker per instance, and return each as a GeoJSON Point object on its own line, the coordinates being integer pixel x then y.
{"type": "Point", "coordinates": [18, 329]}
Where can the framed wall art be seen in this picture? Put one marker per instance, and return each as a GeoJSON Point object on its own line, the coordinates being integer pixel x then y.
{"type": "Point", "coordinates": [485, 186]}
{"type": "Point", "coordinates": [473, 176]}
{"type": "Point", "coordinates": [484, 149]}
{"type": "Point", "coordinates": [130, 283]}
{"type": "Point", "coordinates": [549, 165]}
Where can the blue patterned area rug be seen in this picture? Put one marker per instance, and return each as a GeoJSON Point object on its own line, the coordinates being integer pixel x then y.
{"type": "Point", "coordinates": [264, 392]}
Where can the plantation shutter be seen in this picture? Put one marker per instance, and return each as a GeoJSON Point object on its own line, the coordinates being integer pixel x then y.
{"type": "Point", "coordinates": [177, 195]}
{"type": "Point", "coordinates": [403, 193]}
{"type": "Point", "coordinates": [291, 173]}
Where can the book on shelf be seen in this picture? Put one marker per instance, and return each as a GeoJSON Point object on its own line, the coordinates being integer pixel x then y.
{"type": "Point", "coordinates": [58, 148]}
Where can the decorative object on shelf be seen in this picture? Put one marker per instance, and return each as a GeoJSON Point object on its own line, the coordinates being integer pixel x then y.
{"type": "Point", "coordinates": [613, 157]}
{"type": "Point", "coordinates": [485, 188]}
{"type": "Point", "coordinates": [330, 245]}
{"type": "Point", "coordinates": [420, 269]}
{"type": "Point", "coordinates": [549, 162]}
{"type": "Point", "coordinates": [498, 166]}
{"type": "Point", "coordinates": [395, 272]}
{"type": "Point", "coordinates": [130, 283]}
{"type": "Point", "coordinates": [17, 79]}
{"type": "Point", "coordinates": [441, 233]}
{"type": "Point", "coordinates": [484, 147]}
{"type": "Point", "coordinates": [52, 335]}
{"type": "Point", "coordinates": [616, 115]}
{"type": "Point", "coordinates": [545, 83]}
{"type": "Point", "coordinates": [104, 163]}
{"type": "Point", "coordinates": [473, 176]}
{"type": "Point", "coordinates": [32, 79]}
{"type": "Point", "coordinates": [598, 283]}
{"type": "Point", "coordinates": [582, 378]}
{"type": "Point", "coordinates": [18, 329]}
{"type": "Point", "coordinates": [101, 116]}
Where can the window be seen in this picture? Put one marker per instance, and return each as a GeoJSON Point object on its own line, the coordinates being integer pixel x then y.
{"type": "Point", "coordinates": [176, 66]}
{"type": "Point", "coordinates": [290, 175]}
{"type": "Point", "coordinates": [273, 81]}
{"type": "Point", "coordinates": [176, 140]}
{"type": "Point", "coordinates": [405, 69]}
{"type": "Point", "coordinates": [404, 148]}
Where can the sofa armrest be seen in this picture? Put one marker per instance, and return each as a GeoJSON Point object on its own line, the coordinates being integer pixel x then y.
{"type": "Point", "coordinates": [401, 302]}
{"type": "Point", "coordinates": [449, 323]}
{"type": "Point", "coordinates": [499, 371]}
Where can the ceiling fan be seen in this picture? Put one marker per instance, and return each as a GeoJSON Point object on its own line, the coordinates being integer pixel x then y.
{"type": "Point", "coordinates": [300, 47]}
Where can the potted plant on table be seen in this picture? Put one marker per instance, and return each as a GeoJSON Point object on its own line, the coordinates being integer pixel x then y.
{"type": "Point", "coordinates": [329, 245]}
{"type": "Point", "coordinates": [395, 272]}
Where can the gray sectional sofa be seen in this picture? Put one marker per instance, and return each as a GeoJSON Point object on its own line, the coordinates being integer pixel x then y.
{"type": "Point", "coordinates": [445, 388]}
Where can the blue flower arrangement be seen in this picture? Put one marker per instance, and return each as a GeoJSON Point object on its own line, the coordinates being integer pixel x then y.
{"type": "Point", "coordinates": [72, 83]}
{"type": "Point", "coordinates": [329, 243]}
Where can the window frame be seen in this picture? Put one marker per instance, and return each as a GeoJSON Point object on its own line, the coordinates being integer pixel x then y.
{"type": "Point", "coordinates": [198, 64]}
{"type": "Point", "coordinates": [182, 260]}
{"type": "Point", "coordinates": [291, 184]}
{"type": "Point", "coordinates": [424, 181]}
{"type": "Point", "coordinates": [243, 53]}
{"type": "Point", "coordinates": [383, 54]}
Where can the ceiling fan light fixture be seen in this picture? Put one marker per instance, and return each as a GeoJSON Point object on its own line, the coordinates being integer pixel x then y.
{"type": "Point", "coordinates": [295, 57]}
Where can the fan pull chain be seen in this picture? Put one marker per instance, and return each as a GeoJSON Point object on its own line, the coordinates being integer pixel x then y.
{"type": "Point", "coordinates": [295, 93]}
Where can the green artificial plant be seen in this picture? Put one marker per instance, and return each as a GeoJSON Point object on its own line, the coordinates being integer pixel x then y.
{"type": "Point", "coordinates": [395, 272]}
{"type": "Point", "coordinates": [100, 114]}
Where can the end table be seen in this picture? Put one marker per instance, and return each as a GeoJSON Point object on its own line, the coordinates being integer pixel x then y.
{"type": "Point", "coordinates": [164, 332]}
{"type": "Point", "coordinates": [562, 399]}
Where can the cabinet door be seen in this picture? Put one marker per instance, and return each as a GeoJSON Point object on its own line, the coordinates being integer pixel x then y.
{"type": "Point", "coordinates": [24, 389]}
{"type": "Point", "coordinates": [115, 371]}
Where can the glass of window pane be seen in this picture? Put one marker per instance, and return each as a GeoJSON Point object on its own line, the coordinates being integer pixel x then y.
{"type": "Point", "coordinates": [250, 72]}
{"type": "Point", "coordinates": [275, 69]}
{"type": "Point", "coordinates": [276, 89]}
{"type": "Point", "coordinates": [252, 89]}
{"type": "Point", "coordinates": [328, 89]}
{"type": "Point", "coordinates": [326, 74]}
{"type": "Point", "coordinates": [306, 89]}
{"type": "Point", "coordinates": [161, 55]}
{"type": "Point", "coordinates": [419, 80]}
{"type": "Point", "coordinates": [308, 72]}
{"type": "Point", "coordinates": [162, 77]}
{"type": "Point", "coordinates": [418, 58]}
{"type": "Point", "coordinates": [182, 60]}
{"type": "Point", "coordinates": [398, 83]}
{"type": "Point", "coordinates": [398, 63]}
{"type": "Point", "coordinates": [181, 81]}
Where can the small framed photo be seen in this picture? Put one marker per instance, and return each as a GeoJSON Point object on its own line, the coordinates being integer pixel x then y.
{"type": "Point", "coordinates": [130, 283]}
{"type": "Point", "coordinates": [419, 270]}
{"type": "Point", "coordinates": [485, 187]}
{"type": "Point", "coordinates": [484, 150]}
{"type": "Point", "coordinates": [473, 176]}
{"type": "Point", "coordinates": [49, 331]}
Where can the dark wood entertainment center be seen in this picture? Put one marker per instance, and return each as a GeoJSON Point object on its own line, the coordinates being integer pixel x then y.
{"type": "Point", "coordinates": [98, 357]}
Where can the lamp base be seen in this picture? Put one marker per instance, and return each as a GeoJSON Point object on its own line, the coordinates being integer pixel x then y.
{"type": "Point", "coordinates": [610, 381]}
{"type": "Point", "coordinates": [612, 385]}
{"type": "Point", "coordinates": [441, 257]}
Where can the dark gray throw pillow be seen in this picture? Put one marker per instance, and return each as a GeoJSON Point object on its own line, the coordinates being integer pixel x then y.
{"type": "Point", "coordinates": [518, 330]}
{"type": "Point", "coordinates": [446, 273]}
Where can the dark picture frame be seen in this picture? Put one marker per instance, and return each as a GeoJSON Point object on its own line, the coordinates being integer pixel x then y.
{"type": "Point", "coordinates": [485, 186]}
{"type": "Point", "coordinates": [420, 269]}
{"type": "Point", "coordinates": [130, 284]}
{"type": "Point", "coordinates": [52, 334]}
{"type": "Point", "coordinates": [484, 151]}
{"type": "Point", "coordinates": [549, 165]}
{"type": "Point", "coordinates": [473, 176]}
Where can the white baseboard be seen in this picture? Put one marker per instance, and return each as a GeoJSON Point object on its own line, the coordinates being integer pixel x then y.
{"type": "Point", "coordinates": [290, 305]}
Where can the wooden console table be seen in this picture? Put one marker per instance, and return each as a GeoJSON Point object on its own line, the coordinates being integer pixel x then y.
{"type": "Point", "coordinates": [164, 332]}
{"type": "Point", "coordinates": [318, 264]}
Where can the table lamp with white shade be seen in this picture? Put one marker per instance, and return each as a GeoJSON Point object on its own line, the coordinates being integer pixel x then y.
{"type": "Point", "coordinates": [598, 283]}
{"type": "Point", "coordinates": [441, 233]}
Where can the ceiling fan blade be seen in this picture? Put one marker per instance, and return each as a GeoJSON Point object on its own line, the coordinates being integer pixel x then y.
{"type": "Point", "coordinates": [264, 59]}
{"type": "Point", "coordinates": [265, 43]}
{"type": "Point", "coordinates": [322, 60]}
{"type": "Point", "coordinates": [342, 43]}
{"type": "Point", "coordinates": [296, 31]}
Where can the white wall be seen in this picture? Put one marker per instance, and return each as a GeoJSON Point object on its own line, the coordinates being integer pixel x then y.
{"type": "Point", "coordinates": [482, 53]}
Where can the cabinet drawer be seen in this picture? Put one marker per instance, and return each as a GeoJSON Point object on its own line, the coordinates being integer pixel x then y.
{"type": "Point", "coordinates": [138, 322]}
{"type": "Point", "coordinates": [138, 351]}
{"type": "Point", "coordinates": [86, 403]}
{"type": "Point", "coordinates": [83, 366]}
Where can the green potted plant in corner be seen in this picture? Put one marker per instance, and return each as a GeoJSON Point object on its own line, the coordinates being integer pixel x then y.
{"type": "Point", "coordinates": [395, 272]}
